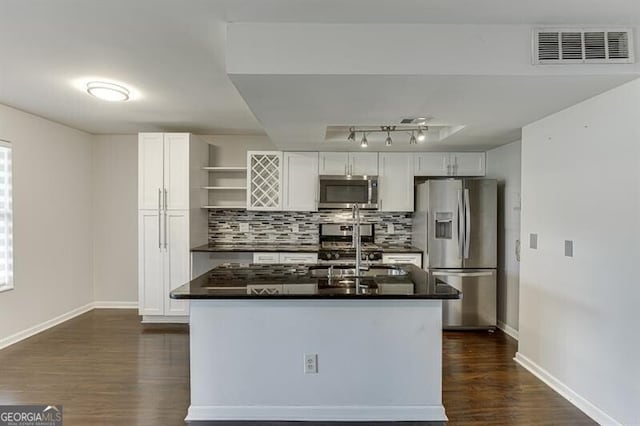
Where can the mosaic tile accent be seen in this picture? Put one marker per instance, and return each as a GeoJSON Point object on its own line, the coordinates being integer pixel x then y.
{"type": "Point", "coordinates": [275, 227]}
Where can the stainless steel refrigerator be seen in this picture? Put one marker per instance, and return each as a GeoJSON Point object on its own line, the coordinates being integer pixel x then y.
{"type": "Point", "coordinates": [455, 224]}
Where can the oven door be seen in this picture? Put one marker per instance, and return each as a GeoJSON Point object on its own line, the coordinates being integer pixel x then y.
{"type": "Point", "coordinates": [342, 192]}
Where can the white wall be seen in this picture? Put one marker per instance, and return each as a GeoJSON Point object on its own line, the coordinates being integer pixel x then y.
{"type": "Point", "coordinates": [503, 164]}
{"type": "Point", "coordinates": [579, 318]}
{"type": "Point", "coordinates": [52, 221]}
{"type": "Point", "coordinates": [115, 198]}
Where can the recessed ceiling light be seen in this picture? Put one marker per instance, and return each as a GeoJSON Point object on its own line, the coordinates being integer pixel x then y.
{"type": "Point", "coordinates": [108, 91]}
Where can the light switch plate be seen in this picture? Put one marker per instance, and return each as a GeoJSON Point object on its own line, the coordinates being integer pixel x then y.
{"type": "Point", "coordinates": [533, 241]}
{"type": "Point", "coordinates": [244, 227]}
{"type": "Point", "coordinates": [568, 248]}
{"type": "Point", "coordinates": [295, 228]}
{"type": "Point", "coordinates": [390, 228]}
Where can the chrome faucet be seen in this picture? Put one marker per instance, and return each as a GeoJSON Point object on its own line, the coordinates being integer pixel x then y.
{"type": "Point", "coordinates": [357, 241]}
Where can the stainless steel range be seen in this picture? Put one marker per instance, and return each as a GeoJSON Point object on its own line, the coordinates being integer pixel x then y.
{"type": "Point", "coordinates": [336, 244]}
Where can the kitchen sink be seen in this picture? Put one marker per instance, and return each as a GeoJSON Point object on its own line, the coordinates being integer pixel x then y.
{"type": "Point", "coordinates": [324, 271]}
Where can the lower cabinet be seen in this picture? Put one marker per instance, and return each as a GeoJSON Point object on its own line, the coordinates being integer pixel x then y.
{"type": "Point", "coordinates": [415, 258]}
{"type": "Point", "coordinates": [291, 257]}
{"type": "Point", "coordinates": [164, 261]}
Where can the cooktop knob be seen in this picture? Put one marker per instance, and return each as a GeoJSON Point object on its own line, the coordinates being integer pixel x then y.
{"type": "Point", "coordinates": [336, 255]}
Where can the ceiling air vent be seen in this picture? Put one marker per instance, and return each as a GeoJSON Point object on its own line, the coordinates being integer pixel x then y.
{"type": "Point", "coordinates": [582, 46]}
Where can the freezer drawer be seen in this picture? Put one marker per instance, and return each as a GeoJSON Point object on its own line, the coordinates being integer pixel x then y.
{"type": "Point", "coordinates": [477, 307]}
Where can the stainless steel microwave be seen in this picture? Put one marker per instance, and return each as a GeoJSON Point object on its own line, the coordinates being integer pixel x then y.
{"type": "Point", "coordinates": [342, 192]}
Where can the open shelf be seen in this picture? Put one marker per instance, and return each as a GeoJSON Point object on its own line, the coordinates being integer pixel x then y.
{"type": "Point", "coordinates": [225, 169]}
{"type": "Point", "coordinates": [244, 188]}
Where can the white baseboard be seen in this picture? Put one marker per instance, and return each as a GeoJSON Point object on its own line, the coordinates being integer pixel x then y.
{"type": "Point", "coordinates": [115, 305]}
{"type": "Point", "coordinates": [317, 413]}
{"type": "Point", "coordinates": [507, 329]}
{"type": "Point", "coordinates": [38, 328]}
{"type": "Point", "coordinates": [566, 392]}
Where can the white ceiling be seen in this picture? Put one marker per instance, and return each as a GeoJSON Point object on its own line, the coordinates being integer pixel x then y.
{"type": "Point", "coordinates": [173, 54]}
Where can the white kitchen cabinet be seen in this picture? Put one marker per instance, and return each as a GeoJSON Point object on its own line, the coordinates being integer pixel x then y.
{"type": "Point", "coordinates": [298, 258]}
{"type": "Point", "coordinates": [268, 257]}
{"type": "Point", "coordinates": [363, 163]}
{"type": "Point", "coordinates": [150, 263]}
{"type": "Point", "coordinates": [333, 163]}
{"type": "Point", "coordinates": [164, 260]}
{"type": "Point", "coordinates": [348, 163]}
{"type": "Point", "coordinates": [163, 170]}
{"type": "Point", "coordinates": [264, 180]}
{"type": "Point", "coordinates": [395, 182]}
{"type": "Point", "coordinates": [150, 170]}
{"type": "Point", "coordinates": [450, 164]}
{"type": "Point", "coordinates": [300, 181]}
{"type": "Point", "coordinates": [467, 163]}
{"type": "Point", "coordinates": [170, 220]}
{"type": "Point", "coordinates": [432, 164]}
{"type": "Point", "coordinates": [285, 257]}
{"type": "Point", "coordinates": [415, 258]}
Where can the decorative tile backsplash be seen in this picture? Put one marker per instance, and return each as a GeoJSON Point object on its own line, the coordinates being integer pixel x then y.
{"type": "Point", "coordinates": [224, 226]}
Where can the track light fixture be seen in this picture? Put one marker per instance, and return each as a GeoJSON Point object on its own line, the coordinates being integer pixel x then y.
{"type": "Point", "coordinates": [420, 136]}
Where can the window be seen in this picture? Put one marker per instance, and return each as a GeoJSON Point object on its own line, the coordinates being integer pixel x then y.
{"type": "Point", "coordinates": [6, 217]}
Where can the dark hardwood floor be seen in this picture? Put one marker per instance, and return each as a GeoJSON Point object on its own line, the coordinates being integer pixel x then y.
{"type": "Point", "coordinates": [108, 369]}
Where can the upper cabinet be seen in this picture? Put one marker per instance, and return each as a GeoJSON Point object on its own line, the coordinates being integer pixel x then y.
{"type": "Point", "coordinates": [348, 163]}
{"type": "Point", "coordinates": [468, 163]}
{"type": "Point", "coordinates": [164, 167]}
{"type": "Point", "coordinates": [300, 181]}
{"type": "Point", "coordinates": [333, 163]}
{"type": "Point", "coordinates": [450, 164]}
{"type": "Point", "coordinates": [395, 182]}
{"type": "Point", "coordinates": [264, 180]}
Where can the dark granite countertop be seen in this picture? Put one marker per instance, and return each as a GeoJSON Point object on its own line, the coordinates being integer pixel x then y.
{"type": "Point", "coordinates": [257, 247]}
{"type": "Point", "coordinates": [299, 248]}
{"type": "Point", "coordinates": [277, 281]}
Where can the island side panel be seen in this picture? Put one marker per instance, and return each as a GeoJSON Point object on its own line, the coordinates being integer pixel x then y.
{"type": "Point", "coordinates": [377, 360]}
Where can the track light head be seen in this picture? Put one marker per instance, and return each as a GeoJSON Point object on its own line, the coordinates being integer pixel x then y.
{"type": "Point", "coordinates": [352, 135]}
{"type": "Point", "coordinates": [388, 141]}
{"type": "Point", "coordinates": [412, 139]}
{"type": "Point", "coordinates": [364, 142]}
{"type": "Point", "coordinates": [421, 135]}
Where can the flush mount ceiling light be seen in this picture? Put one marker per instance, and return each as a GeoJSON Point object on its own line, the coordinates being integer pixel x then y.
{"type": "Point", "coordinates": [108, 91]}
{"type": "Point", "coordinates": [353, 131]}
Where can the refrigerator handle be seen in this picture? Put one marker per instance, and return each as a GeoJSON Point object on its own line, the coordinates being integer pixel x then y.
{"type": "Point", "coordinates": [462, 274]}
{"type": "Point", "coordinates": [467, 224]}
{"type": "Point", "coordinates": [461, 231]}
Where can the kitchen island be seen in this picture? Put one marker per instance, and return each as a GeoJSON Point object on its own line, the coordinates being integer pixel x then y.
{"type": "Point", "coordinates": [303, 342]}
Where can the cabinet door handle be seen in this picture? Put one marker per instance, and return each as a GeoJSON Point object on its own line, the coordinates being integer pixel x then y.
{"type": "Point", "coordinates": [165, 219]}
{"type": "Point", "coordinates": [159, 218]}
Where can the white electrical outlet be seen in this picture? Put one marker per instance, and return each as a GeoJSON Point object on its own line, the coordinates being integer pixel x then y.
{"type": "Point", "coordinates": [295, 228]}
{"type": "Point", "coordinates": [244, 227]}
{"type": "Point", "coordinates": [390, 228]}
{"type": "Point", "coordinates": [310, 363]}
